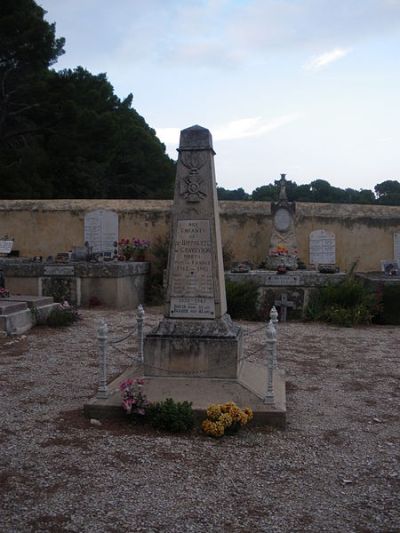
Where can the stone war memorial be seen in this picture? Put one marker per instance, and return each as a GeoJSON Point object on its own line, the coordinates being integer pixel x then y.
{"type": "Point", "coordinates": [195, 353]}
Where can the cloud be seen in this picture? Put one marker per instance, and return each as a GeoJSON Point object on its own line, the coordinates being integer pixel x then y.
{"type": "Point", "coordinates": [325, 59]}
{"type": "Point", "coordinates": [236, 129]}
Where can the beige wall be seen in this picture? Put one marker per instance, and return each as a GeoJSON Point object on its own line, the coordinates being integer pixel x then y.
{"type": "Point", "coordinates": [45, 227]}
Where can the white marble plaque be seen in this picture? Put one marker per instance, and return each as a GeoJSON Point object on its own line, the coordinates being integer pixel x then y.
{"type": "Point", "coordinates": [6, 246]}
{"type": "Point", "coordinates": [396, 245]}
{"type": "Point", "coordinates": [322, 247]}
{"type": "Point", "coordinates": [192, 284]}
{"type": "Point", "coordinates": [282, 219]}
{"type": "Point", "coordinates": [101, 230]}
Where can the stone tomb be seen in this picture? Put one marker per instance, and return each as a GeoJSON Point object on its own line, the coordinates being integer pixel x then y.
{"type": "Point", "coordinates": [101, 230]}
{"type": "Point", "coordinates": [18, 313]}
{"type": "Point", "coordinates": [195, 352]}
{"type": "Point", "coordinates": [322, 247]}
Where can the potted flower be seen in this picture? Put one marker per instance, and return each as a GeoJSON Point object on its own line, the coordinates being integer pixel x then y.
{"type": "Point", "coordinates": [134, 401]}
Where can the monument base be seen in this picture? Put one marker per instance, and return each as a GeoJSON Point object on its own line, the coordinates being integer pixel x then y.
{"type": "Point", "coordinates": [248, 390]}
{"type": "Point", "coordinates": [193, 347]}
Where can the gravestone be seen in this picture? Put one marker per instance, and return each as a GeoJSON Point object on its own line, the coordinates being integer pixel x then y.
{"type": "Point", "coordinates": [396, 246]}
{"type": "Point", "coordinates": [6, 246]}
{"type": "Point", "coordinates": [322, 247]}
{"type": "Point", "coordinates": [101, 230]}
{"type": "Point", "coordinates": [283, 244]}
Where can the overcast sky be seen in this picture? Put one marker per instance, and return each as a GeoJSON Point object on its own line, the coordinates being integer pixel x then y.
{"type": "Point", "coordinates": [306, 87]}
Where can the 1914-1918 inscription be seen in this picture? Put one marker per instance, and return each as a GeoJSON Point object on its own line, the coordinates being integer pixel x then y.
{"type": "Point", "coordinates": [192, 289]}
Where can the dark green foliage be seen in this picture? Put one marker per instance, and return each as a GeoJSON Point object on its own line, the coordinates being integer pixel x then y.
{"type": "Point", "coordinates": [242, 300]}
{"type": "Point", "coordinates": [62, 317]}
{"type": "Point", "coordinates": [389, 309]}
{"type": "Point", "coordinates": [348, 304]}
{"type": "Point", "coordinates": [155, 283]}
{"type": "Point", "coordinates": [236, 194]}
{"type": "Point", "coordinates": [168, 415]}
{"type": "Point", "coordinates": [66, 134]}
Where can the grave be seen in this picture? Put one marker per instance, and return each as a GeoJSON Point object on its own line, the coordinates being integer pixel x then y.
{"type": "Point", "coordinates": [283, 244]}
{"type": "Point", "coordinates": [114, 283]}
{"type": "Point", "coordinates": [101, 230]}
{"type": "Point", "coordinates": [322, 247]}
{"type": "Point", "coordinates": [19, 313]}
{"type": "Point", "coordinates": [195, 352]}
{"type": "Point", "coordinates": [283, 304]}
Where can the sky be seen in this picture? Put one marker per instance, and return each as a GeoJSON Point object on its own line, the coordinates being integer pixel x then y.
{"type": "Point", "coordinates": [310, 88]}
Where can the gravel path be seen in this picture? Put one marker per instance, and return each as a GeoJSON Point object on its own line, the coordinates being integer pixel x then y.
{"type": "Point", "coordinates": [335, 468]}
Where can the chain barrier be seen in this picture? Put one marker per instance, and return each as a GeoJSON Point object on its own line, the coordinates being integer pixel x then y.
{"type": "Point", "coordinates": [269, 346]}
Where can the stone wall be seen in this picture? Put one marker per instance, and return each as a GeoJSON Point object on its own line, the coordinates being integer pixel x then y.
{"type": "Point", "coordinates": [363, 232]}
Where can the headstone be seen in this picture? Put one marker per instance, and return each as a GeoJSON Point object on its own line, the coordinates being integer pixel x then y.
{"type": "Point", "coordinates": [322, 247]}
{"type": "Point", "coordinates": [283, 244]}
{"type": "Point", "coordinates": [6, 246]}
{"type": "Point", "coordinates": [101, 230]}
{"type": "Point", "coordinates": [396, 246]}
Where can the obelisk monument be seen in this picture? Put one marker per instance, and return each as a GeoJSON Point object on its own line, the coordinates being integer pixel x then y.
{"type": "Point", "coordinates": [196, 336]}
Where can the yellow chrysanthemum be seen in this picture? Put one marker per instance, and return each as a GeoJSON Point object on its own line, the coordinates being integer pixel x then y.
{"type": "Point", "coordinates": [226, 420]}
{"type": "Point", "coordinates": [214, 412]}
{"type": "Point", "coordinates": [249, 413]}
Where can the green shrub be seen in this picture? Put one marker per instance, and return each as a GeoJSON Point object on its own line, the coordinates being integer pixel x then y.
{"type": "Point", "coordinates": [62, 316]}
{"type": "Point", "coordinates": [347, 304]}
{"type": "Point", "coordinates": [242, 300]}
{"type": "Point", "coordinates": [389, 312]}
{"type": "Point", "coordinates": [168, 415]}
{"type": "Point", "coordinates": [155, 293]}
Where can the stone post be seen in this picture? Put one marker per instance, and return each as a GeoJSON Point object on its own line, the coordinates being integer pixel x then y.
{"type": "Point", "coordinates": [102, 335]}
{"type": "Point", "coordinates": [274, 319]}
{"type": "Point", "coordinates": [271, 346]}
{"type": "Point", "coordinates": [140, 321]}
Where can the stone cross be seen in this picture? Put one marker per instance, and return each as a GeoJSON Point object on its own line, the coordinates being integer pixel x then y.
{"type": "Point", "coordinates": [283, 304]}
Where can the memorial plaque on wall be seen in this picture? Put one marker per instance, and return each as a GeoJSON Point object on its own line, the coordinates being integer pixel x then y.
{"type": "Point", "coordinates": [396, 244]}
{"type": "Point", "coordinates": [192, 290]}
{"type": "Point", "coordinates": [322, 247]}
{"type": "Point", "coordinates": [101, 230]}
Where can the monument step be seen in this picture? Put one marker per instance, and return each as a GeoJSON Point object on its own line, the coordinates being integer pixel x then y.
{"type": "Point", "coordinates": [202, 392]}
{"type": "Point", "coordinates": [31, 301]}
{"type": "Point", "coordinates": [8, 307]}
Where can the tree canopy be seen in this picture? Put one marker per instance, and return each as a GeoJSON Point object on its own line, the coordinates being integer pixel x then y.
{"type": "Point", "coordinates": [66, 134]}
{"type": "Point", "coordinates": [387, 192]}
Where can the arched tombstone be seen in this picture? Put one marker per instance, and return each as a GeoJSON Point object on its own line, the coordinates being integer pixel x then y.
{"type": "Point", "coordinates": [322, 247]}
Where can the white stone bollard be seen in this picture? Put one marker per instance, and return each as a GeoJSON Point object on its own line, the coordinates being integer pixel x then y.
{"type": "Point", "coordinates": [274, 319]}
{"type": "Point", "coordinates": [271, 349]}
{"type": "Point", "coordinates": [102, 335]}
{"type": "Point", "coordinates": [140, 322]}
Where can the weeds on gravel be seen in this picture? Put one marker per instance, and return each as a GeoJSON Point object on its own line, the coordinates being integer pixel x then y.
{"type": "Point", "coordinates": [62, 316]}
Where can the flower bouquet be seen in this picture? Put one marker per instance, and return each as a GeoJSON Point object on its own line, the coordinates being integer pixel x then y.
{"type": "Point", "coordinates": [225, 419]}
{"type": "Point", "coordinates": [134, 401]}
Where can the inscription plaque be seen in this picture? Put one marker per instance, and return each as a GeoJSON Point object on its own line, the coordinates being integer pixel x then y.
{"type": "Point", "coordinates": [322, 247]}
{"type": "Point", "coordinates": [101, 230]}
{"type": "Point", "coordinates": [59, 271]}
{"type": "Point", "coordinates": [192, 288]}
{"type": "Point", "coordinates": [282, 219]}
{"type": "Point", "coordinates": [6, 246]}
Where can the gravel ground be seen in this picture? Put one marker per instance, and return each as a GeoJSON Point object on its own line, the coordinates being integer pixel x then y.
{"type": "Point", "coordinates": [335, 467]}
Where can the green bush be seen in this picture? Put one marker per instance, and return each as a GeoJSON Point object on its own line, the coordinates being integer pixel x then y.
{"type": "Point", "coordinates": [347, 304]}
{"type": "Point", "coordinates": [168, 415]}
{"type": "Point", "coordinates": [242, 300]}
{"type": "Point", "coordinates": [390, 305]}
{"type": "Point", "coordinates": [62, 317]}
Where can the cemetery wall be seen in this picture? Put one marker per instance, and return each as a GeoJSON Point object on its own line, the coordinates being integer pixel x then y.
{"type": "Point", "coordinates": [362, 232]}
